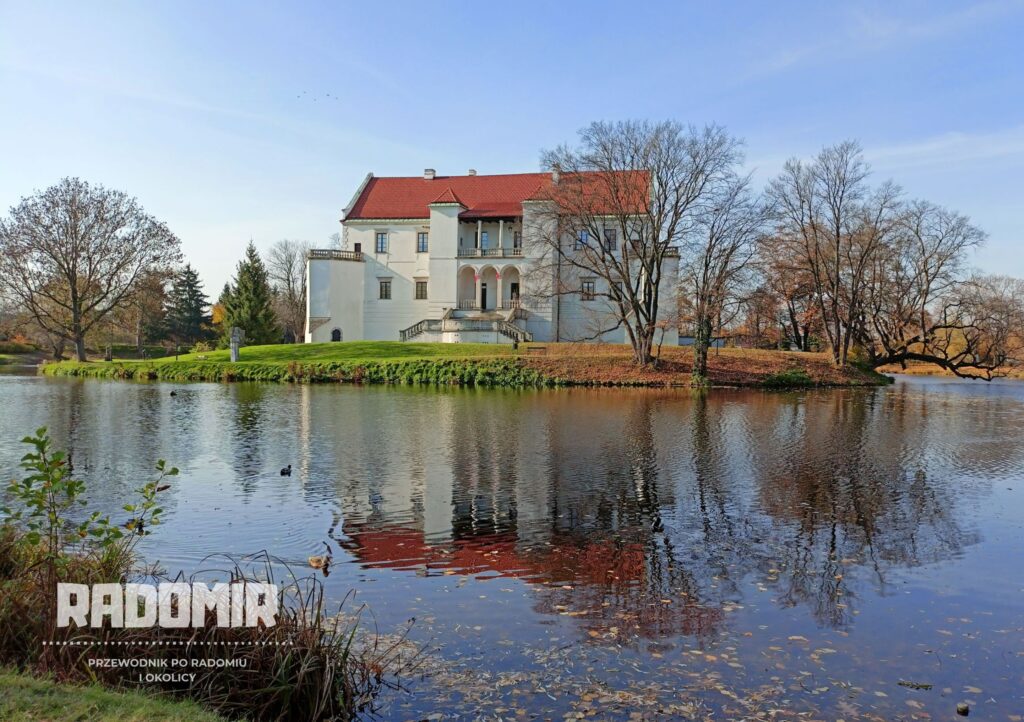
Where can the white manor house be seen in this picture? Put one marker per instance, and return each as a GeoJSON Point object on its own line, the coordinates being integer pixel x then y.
{"type": "Point", "coordinates": [450, 258]}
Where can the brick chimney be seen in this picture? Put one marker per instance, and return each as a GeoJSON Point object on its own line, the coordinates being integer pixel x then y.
{"type": "Point", "coordinates": [429, 173]}
{"type": "Point", "coordinates": [472, 171]}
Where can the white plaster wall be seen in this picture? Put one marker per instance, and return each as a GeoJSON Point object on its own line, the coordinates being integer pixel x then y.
{"type": "Point", "coordinates": [402, 265]}
{"type": "Point", "coordinates": [583, 320]}
{"type": "Point", "coordinates": [444, 238]}
{"type": "Point", "coordinates": [336, 293]}
{"type": "Point", "coordinates": [537, 280]}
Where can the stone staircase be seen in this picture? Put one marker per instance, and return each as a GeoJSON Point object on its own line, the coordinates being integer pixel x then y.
{"type": "Point", "coordinates": [453, 321]}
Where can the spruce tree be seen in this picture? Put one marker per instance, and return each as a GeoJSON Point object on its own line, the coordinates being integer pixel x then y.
{"type": "Point", "coordinates": [186, 312]}
{"type": "Point", "coordinates": [249, 304]}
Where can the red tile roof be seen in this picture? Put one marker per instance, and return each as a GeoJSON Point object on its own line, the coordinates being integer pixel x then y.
{"type": "Point", "coordinates": [448, 197]}
{"type": "Point", "coordinates": [484, 196]}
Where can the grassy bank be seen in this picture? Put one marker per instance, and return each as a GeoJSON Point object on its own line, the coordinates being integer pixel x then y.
{"type": "Point", "coordinates": [532, 365]}
{"type": "Point", "coordinates": [28, 698]}
{"type": "Point", "coordinates": [13, 353]}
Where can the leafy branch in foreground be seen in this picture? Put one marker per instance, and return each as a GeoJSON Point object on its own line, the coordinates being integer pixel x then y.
{"type": "Point", "coordinates": [309, 665]}
{"type": "Point", "coordinates": [49, 494]}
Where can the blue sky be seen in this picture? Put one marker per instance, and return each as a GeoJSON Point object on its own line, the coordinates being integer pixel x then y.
{"type": "Point", "coordinates": [233, 121]}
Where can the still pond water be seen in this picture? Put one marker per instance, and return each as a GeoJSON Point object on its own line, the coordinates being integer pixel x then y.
{"type": "Point", "coordinates": [657, 554]}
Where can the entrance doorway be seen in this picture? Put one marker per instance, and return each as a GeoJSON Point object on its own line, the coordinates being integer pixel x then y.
{"type": "Point", "coordinates": [483, 296]}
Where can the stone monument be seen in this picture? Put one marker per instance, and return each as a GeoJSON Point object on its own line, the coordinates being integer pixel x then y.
{"type": "Point", "coordinates": [237, 337]}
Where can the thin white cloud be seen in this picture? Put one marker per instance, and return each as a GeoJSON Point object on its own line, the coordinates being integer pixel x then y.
{"type": "Point", "coordinates": [879, 28]}
{"type": "Point", "coordinates": [869, 31]}
{"type": "Point", "coordinates": [947, 149]}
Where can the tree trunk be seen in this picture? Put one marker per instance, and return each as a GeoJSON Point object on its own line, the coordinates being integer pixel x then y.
{"type": "Point", "coordinates": [701, 343]}
{"type": "Point", "coordinates": [78, 336]}
{"type": "Point", "coordinates": [642, 348]}
{"type": "Point", "coordinates": [798, 338]}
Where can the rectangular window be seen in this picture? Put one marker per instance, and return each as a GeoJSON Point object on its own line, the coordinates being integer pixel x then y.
{"type": "Point", "coordinates": [421, 290]}
{"type": "Point", "coordinates": [421, 242]}
{"type": "Point", "coordinates": [611, 239]}
{"type": "Point", "coordinates": [385, 289]}
{"type": "Point", "coordinates": [382, 242]}
{"type": "Point", "coordinates": [517, 239]}
{"type": "Point", "coordinates": [483, 239]}
{"type": "Point", "coordinates": [589, 291]}
{"type": "Point", "coordinates": [616, 289]}
{"type": "Point", "coordinates": [582, 239]}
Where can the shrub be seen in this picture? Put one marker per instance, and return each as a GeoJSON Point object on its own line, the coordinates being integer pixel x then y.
{"type": "Point", "coordinates": [308, 666]}
{"type": "Point", "coordinates": [41, 545]}
{"type": "Point", "coordinates": [16, 347]}
{"type": "Point", "coordinates": [791, 378]}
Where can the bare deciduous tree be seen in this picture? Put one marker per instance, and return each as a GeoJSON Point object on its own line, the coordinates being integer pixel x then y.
{"type": "Point", "coordinates": [917, 291]}
{"type": "Point", "coordinates": [625, 199]}
{"type": "Point", "coordinates": [833, 226]}
{"type": "Point", "coordinates": [286, 266]}
{"type": "Point", "coordinates": [337, 242]}
{"type": "Point", "coordinates": [717, 259]}
{"type": "Point", "coordinates": [887, 276]}
{"type": "Point", "coordinates": [73, 253]}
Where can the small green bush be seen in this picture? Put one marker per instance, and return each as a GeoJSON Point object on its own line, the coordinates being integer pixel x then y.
{"type": "Point", "coordinates": [791, 378]}
{"type": "Point", "coordinates": [15, 347]}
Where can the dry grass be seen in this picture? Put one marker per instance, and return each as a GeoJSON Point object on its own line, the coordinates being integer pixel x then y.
{"type": "Point", "coordinates": [613, 364]}
{"type": "Point", "coordinates": [923, 369]}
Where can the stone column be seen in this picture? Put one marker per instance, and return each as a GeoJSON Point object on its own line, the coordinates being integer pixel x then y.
{"type": "Point", "coordinates": [479, 235]}
{"type": "Point", "coordinates": [497, 305]}
{"type": "Point", "coordinates": [501, 234]}
{"type": "Point", "coordinates": [476, 283]}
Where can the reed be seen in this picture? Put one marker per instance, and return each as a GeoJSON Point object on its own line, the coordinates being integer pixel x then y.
{"type": "Point", "coordinates": [314, 663]}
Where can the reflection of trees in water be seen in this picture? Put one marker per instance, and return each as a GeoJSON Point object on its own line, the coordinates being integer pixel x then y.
{"type": "Point", "coordinates": [840, 496]}
{"type": "Point", "coordinates": [113, 433]}
{"type": "Point", "coordinates": [248, 427]}
{"type": "Point", "coordinates": [631, 499]}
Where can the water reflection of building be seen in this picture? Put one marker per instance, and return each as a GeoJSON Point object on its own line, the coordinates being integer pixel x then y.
{"type": "Point", "coordinates": [633, 498]}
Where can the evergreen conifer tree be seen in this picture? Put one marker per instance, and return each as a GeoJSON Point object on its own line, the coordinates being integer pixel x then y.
{"type": "Point", "coordinates": [187, 318]}
{"type": "Point", "coordinates": [249, 302]}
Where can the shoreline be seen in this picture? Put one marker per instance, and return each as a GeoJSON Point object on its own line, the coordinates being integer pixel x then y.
{"type": "Point", "coordinates": [544, 366]}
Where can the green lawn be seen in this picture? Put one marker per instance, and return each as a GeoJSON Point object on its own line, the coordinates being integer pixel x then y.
{"type": "Point", "coordinates": [348, 351]}
{"type": "Point", "coordinates": [24, 698]}
{"type": "Point", "coordinates": [371, 362]}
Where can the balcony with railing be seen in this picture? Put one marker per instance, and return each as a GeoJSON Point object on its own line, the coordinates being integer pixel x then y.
{"type": "Point", "coordinates": [333, 254]}
{"type": "Point", "coordinates": [505, 252]}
